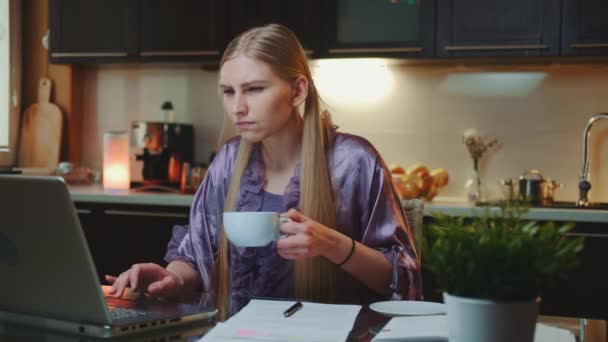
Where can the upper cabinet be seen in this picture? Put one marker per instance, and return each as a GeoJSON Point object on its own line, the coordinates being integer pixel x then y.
{"type": "Point", "coordinates": [92, 30]}
{"type": "Point", "coordinates": [136, 30]}
{"type": "Point", "coordinates": [188, 29]}
{"type": "Point", "coordinates": [98, 31]}
{"type": "Point", "coordinates": [585, 27]}
{"type": "Point", "coordinates": [397, 28]}
{"type": "Point", "coordinates": [301, 16]}
{"type": "Point", "coordinates": [498, 28]}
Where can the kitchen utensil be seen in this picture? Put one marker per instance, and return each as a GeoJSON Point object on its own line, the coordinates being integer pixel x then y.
{"type": "Point", "coordinates": [509, 186]}
{"type": "Point", "coordinates": [159, 149]}
{"type": "Point", "coordinates": [73, 173]}
{"type": "Point", "coordinates": [536, 189]}
{"type": "Point", "coordinates": [529, 185]}
{"type": "Point", "coordinates": [192, 177]}
{"type": "Point", "coordinates": [41, 132]}
{"type": "Point", "coordinates": [547, 190]}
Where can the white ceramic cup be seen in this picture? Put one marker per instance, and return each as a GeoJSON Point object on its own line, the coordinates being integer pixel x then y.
{"type": "Point", "coordinates": [252, 228]}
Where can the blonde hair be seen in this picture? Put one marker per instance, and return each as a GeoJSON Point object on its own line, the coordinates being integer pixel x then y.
{"type": "Point", "coordinates": [279, 48]}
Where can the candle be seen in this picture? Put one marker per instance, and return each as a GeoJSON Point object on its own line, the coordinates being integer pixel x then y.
{"type": "Point", "coordinates": [116, 174]}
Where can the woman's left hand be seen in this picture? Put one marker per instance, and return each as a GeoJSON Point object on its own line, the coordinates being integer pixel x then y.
{"type": "Point", "coordinates": [306, 238]}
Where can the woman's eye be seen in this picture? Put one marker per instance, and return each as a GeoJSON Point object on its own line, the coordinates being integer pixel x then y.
{"type": "Point", "coordinates": [255, 89]}
{"type": "Point", "coordinates": [228, 91]}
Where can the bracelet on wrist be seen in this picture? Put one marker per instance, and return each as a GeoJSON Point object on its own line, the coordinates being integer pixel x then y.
{"type": "Point", "coordinates": [350, 254]}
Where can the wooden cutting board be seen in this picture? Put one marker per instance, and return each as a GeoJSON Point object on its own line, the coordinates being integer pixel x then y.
{"type": "Point", "coordinates": [41, 131]}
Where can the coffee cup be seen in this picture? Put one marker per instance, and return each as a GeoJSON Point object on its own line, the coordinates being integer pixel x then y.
{"type": "Point", "coordinates": [252, 228]}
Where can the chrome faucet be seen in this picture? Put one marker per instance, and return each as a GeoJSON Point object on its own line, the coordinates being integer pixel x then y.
{"type": "Point", "coordinates": [584, 186]}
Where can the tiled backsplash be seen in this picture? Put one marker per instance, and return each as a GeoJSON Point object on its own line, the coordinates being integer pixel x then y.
{"type": "Point", "coordinates": [537, 112]}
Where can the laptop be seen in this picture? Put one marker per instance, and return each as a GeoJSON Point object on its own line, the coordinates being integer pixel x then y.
{"type": "Point", "coordinates": [48, 276]}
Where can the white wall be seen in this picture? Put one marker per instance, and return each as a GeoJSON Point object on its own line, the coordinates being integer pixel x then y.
{"type": "Point", "coordinates": [537, 112]}
{"type": "Point", "coordinates": [117, 95]}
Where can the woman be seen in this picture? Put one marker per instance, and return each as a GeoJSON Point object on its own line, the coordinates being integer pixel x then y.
{"type": "Point", "coordinates": [348, 240]}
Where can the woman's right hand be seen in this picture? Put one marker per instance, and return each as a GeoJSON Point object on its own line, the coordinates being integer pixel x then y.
{"type": "Point", "coordinates": [149, 277]}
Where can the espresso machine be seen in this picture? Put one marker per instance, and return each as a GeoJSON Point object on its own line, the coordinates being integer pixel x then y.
{"type": "Point", "coordinates": [159, 150]}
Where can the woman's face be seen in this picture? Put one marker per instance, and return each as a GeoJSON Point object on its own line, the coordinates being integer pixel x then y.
{"type": "Point", "coordinates": [258, 102]}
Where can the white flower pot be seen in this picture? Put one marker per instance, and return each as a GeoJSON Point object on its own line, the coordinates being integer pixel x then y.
{"type": "Point", "coordinates": [479, 320]}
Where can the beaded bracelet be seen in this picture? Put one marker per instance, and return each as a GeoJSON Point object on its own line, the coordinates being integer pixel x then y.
{"type": "Point", "coordinates": [350, 254]}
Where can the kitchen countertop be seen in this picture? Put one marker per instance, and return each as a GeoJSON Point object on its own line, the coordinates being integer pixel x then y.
{"type": "Point", "coordinates": [461, 208]}
{"type": "Point", "coordinates": [445, 205]}
{"type": "Point", "coordinates": [96, 194]}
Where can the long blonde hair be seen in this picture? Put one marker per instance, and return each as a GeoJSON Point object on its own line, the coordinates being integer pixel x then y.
{"type": "Point", "coordinates": [279, 48]}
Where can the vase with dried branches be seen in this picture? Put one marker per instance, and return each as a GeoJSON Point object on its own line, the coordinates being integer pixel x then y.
{"type": "Point", "coordinates": [477, 145]}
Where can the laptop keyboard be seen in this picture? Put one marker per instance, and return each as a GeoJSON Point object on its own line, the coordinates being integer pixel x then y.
{"type": "Point", "coordinates": [120, 313]}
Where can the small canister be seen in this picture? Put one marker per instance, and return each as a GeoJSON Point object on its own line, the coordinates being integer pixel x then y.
{"type": "Point", "coordinates": [536, 189]}
{"type": "Point", "coordinates": [530, 186]}
{"type": "Point", "coordinates": [547, 191]}
{"type": "Point", "coordinates": [192, 177]}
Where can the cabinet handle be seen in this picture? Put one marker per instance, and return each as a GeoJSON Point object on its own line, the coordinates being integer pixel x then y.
{"type": "Point", "coordinates": [494, 47]}
{"type": "Point", "coordinates": [588, 235]}
{"type": "Point", "coordinates": [308, 52]}
{"type": "Point", "coordinates": [376, 50]}
{"type": "Point", "coordinates": [84, 211]}
{"type": "Point", "coordinates": [144, 213]}
{"type": "Point", "coordinates": [588, 45]}
{"type": "Point", "coordinates": [89, 54]}
{"type": "Point", "coordinates": [178, 53]}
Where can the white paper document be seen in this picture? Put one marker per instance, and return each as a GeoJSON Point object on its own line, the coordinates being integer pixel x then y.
{"type": "Point", "coordinates": [263, 320]}
{"type": "Point", "coordinates": [435, 328]}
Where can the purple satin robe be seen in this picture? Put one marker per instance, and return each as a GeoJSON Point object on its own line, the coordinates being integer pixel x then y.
{"type": "Point", "coordinates": [368, 210]}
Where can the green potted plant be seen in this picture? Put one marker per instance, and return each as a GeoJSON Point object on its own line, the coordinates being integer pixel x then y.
{"type": "Point", "coordinates": [492, 267]}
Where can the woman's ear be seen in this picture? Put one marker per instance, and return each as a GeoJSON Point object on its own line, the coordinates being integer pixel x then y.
{"type": "Point", "coordinates": [299, 91]}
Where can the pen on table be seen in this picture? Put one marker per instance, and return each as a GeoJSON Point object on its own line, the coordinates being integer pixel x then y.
{"type": "Point", "coordinates": [292, 309]}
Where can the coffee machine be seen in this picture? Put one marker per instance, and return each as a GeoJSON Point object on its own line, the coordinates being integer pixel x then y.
{"type": "Point", "coordinates": [159, 150]}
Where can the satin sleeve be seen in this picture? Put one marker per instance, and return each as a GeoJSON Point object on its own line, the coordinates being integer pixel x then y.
{"type": "Point", "coordinates": [385, 229]}
{"type": "Point", "coordinates": [197, 243]}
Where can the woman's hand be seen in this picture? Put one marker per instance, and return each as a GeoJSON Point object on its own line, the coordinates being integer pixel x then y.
{"type": "Point", "coordinates": [307, 238]}
{"type": "Point", "coordinates": [149, 277]}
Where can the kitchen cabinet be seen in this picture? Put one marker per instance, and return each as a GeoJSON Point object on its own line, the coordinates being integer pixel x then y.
{"type": "Point", "coordinates": [93, 30]}
{"type": "Point", "coordinates": [121, 235]}
{"type": "Point", "coordinates": [301, 16]}
{"type": "Point", "coordinates": [498, 28]}
{"type": "Point", "coordinates": [99, 31]}
{"type": "Point", "coordinates": [584, 27]}
{"type": "Point", "coordinates": [363, 28]}
{"type": "Point", "coordinates": [583, 292]}
{"type": "Point", "coordinates": [192, 30]}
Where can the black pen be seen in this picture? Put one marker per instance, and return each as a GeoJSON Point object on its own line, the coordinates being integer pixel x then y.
{"type": "Point", "coordinates": [292, 309]}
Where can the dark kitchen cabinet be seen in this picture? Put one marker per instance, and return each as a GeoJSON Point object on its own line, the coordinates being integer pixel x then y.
{"type": "Point", "coordinates": [363, 28]}
{"type": "Point", "coordinates": [584, 27]}
{"type": "Point", "coordinates": [301, 16]}
{"type": "Point", "coordinates": [84, 31]}
{"type": "Point", "coordinates": [98, 31]}
{"type": "Point", "coordinates": [121, 235]}
{"type": "Point", "coordinates": [498, 28]}
{"type": "Point", "coordinates": [184, 30]}
{"type": "Point", "coordinates": [583, 292]}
